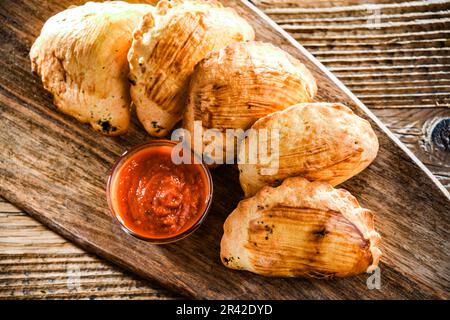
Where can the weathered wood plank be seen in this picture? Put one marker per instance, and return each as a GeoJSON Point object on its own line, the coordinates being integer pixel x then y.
{"type": "Point", "coordinates": [342, 41]}
{"type": "Point", "coordinates": [413, 127]}
{"type": "Point", "coordinates": [37, 263]}
{"type": "Point", "coordinates": [374, 40]}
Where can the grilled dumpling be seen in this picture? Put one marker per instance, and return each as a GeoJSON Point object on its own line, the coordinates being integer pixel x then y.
{"type": "Point", "coordinates": [235, 86]}
{"type": "Point", "coordinates": [318, 141]}
{"type": "Point", "coordinates": [301, 228]}
{"type": "Point", "coordinates": [165, 50]}
{"type": "Point", "coordinates": [81, 57]}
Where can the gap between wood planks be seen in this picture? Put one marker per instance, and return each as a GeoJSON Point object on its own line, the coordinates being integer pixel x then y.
{"type": "Point", "coordinates": [401, 70]}
{"type": "Point", "coordinates": [392, 54]}
{"type": "Point", "coordinates": [37, 263]}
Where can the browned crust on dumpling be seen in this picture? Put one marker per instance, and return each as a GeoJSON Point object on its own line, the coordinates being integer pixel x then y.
{"type": "Point", "coordinates": [317, 141]}
{"type": "Point", "coordinates": [81, 57]}
{"type": "Point", "coordinates": [235, 86]}
{"type": "Point", "coordinates": [301, 228]}
{"type": "Point", "coordinates": [165, 50]}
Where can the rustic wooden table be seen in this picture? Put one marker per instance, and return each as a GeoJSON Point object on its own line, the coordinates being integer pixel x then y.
{"type": "Point", "coordinates": [394, 55]}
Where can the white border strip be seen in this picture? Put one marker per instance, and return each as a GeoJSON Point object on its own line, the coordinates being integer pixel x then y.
{"type": "Point", "coordinates": [349, 93]}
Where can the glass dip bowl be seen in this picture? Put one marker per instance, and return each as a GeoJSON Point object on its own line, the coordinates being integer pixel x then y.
{"type": "Point", "coordinates": [155, 199]}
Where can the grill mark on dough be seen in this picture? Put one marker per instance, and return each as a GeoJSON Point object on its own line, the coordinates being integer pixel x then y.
{"type": "Point", "coordinates": [297, 265]}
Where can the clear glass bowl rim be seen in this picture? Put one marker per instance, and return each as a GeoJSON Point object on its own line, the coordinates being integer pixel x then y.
{"type": "Point", "coordinates": [117, 165]}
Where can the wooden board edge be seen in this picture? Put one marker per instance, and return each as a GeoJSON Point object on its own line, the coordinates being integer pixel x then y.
{"type": "Point", "coordinates": [293, 42]}
{"type": "Point", "coordinates": [350, 94]}
{"type": "Point", "coordinates": [90, 248]}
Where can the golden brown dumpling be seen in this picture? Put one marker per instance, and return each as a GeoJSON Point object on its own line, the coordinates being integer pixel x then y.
{"type": "Point", "coordinates": [301, 228]}
{"type": "Point", "coordinates": [81, 56]}
{"type": "Point", "coordinates": [165, 50]}
{"type": "Point", "coordinates": [233, 87]}
{"type": "Point", "coordinates": [318, 141]}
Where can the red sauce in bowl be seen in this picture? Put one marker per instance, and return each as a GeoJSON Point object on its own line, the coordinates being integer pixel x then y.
{"type": "Point", "coordinates": [156, 199]}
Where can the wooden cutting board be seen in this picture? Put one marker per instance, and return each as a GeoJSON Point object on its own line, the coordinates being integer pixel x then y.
{"type": "Point", "coordinates": [56, 169]}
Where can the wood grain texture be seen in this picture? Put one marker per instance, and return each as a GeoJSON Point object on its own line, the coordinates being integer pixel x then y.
{"type": "Point", "coordinates": [393, 55]}
{"type": "Point", "coordinates": [37, 263]}
{"type": "Point", "coordinates": [399, 277]}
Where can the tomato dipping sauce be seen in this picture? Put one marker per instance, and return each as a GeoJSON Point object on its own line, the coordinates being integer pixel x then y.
{"type": "Point", "coordinates": [156, 199]}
